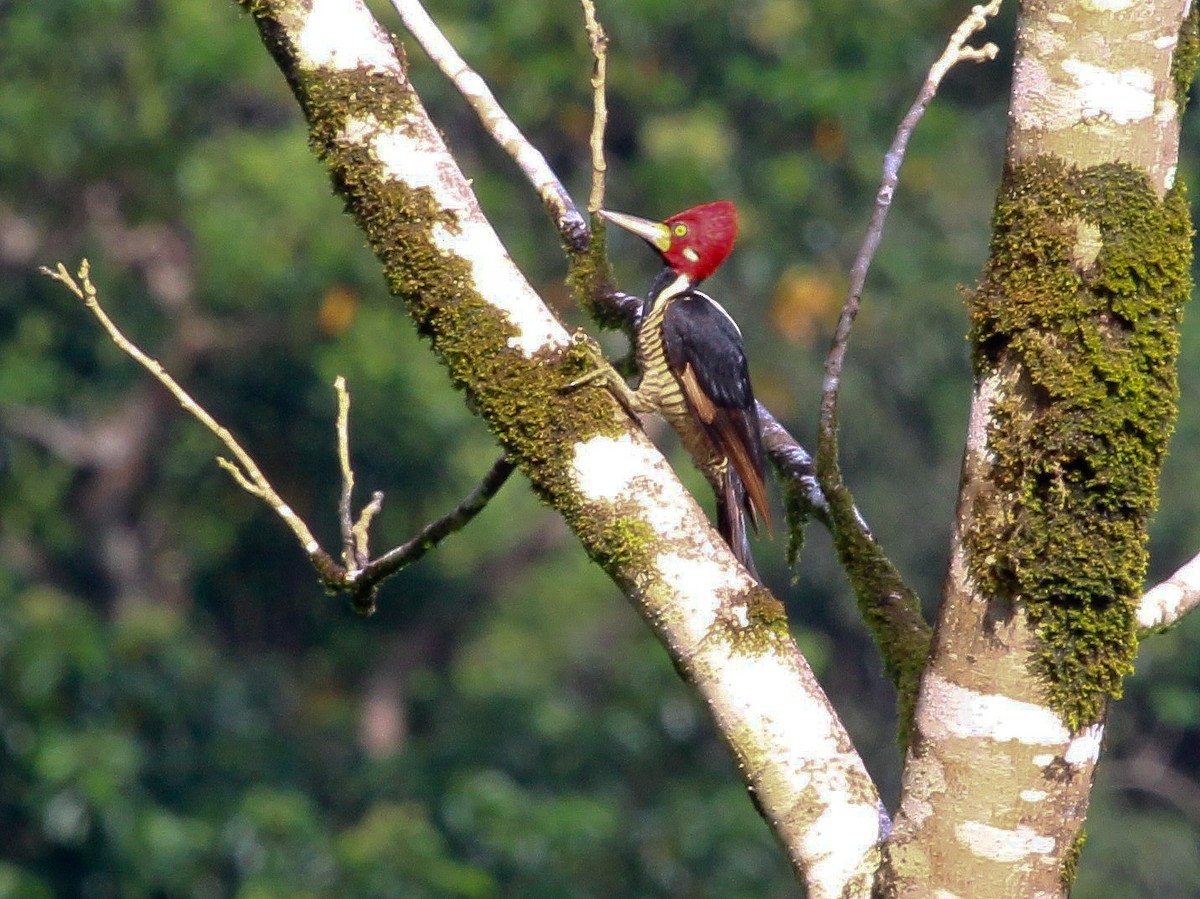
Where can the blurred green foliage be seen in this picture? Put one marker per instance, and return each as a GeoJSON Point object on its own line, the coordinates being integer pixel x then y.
{"type": "Point", "coordinates": [182, 713]}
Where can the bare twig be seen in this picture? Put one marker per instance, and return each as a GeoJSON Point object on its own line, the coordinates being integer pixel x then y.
{"type": "Point", "coordinates": [599, 44]}
{"type": "Point", "coordinates": [362, 530]}
{"type": "Point", "coordinates": [349, 553]}
{"type": "Point", "coordinates": [956, 51]}
{"type": "Point", "coordinates": [434, 532]}
{"type": "Point", "coordinates": [499, 125]}
{"type": "Point", "coordinates": [357, 575]}
{"type": "Point", "coordinates": [1167, 603]}
{"type": "Point", "coordinates": [246, 471]}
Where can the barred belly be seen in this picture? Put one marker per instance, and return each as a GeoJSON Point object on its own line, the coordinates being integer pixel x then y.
{"type": "Point", "coordinates": [660, 389]}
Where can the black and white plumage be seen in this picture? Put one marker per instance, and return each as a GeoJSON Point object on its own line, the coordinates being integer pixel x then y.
{"type": "Point", "coordinates": [693, 366]}
{"type": "Point", "coordinates": [695, 374]}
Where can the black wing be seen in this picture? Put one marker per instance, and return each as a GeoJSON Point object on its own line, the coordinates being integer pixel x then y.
{"type": "Point", "coordinates": [697, 331]}
{"type": "Point", "coordinates": [705, 351]}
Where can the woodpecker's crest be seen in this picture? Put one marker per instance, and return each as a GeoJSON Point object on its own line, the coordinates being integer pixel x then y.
{"type": "Point", "coordinates": [694, 242]}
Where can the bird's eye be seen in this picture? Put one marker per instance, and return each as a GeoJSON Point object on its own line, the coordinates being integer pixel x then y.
{"type": "Point", "coordinates": [680, 230]}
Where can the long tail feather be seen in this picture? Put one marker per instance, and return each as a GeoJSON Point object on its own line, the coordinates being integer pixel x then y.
{"type": "Point", "coordinates": [731, 518]}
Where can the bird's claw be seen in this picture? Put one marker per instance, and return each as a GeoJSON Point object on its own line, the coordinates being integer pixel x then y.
{"type": "Point", "coordinates": [586, 345]}
{"type": "Point", "coordinates": [601, 371]}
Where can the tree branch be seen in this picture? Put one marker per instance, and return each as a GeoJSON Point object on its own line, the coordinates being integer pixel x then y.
{"type": "Point", "coordinates": [246, 471]}
{"type": "Point", "coordinates": [590, 274]}
{"type": "Point", "coordinates": [499, 125]}
{"type": "Point", "coordinates": [350, 555]}
{"type": "Point", "coordinates": [891, 608]}
{"type": "Point", "coordinates": [356, 575]}
{"type": "Point", "coordinates": [434, 532]}
{"type": "Point", "coordinates": [1165, 605]}
{"type": "Point", "coordinates": [956, 51]}
{"type": "Point", "coordinates": [598, 41]}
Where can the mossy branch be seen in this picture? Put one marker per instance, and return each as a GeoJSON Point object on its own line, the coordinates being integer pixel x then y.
{"type": "Point", "coordinates": [1186, 56]}
{"type": "Point", "coordinates": [357, 576]}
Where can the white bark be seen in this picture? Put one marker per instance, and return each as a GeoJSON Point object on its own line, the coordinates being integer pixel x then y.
{"type": "Point", "coordinates": [1166, 603]}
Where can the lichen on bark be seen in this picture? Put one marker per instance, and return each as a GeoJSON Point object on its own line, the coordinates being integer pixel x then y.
{"type": "Point", "coordinates": [1078, 316]}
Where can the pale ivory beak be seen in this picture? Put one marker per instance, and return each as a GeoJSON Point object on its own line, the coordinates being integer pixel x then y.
{"type": "Point", "coordinates": [655, 233]}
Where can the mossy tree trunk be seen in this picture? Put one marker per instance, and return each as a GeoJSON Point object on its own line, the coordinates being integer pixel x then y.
{"type": "Point", "coordinates": [1075, 330]}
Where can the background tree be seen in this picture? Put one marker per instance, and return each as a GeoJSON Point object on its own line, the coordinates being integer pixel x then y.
{"type": "Point", "coordinates": [502, 641]}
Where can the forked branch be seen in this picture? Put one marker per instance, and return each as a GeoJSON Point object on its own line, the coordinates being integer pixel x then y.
{"type": "Point", "coordinates": [357, 575]}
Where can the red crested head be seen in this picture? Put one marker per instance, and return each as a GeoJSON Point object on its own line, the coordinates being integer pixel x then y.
{"type": "Point", "coordinates": [694, 242]}
{"type": "Point", "coordinates": [701, 238]}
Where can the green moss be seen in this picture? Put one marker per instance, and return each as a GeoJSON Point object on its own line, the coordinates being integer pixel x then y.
{"type": "Point", "coordinates": [624, 542]}
{"type": "Point", "coordinates": [797, 510]}
{"type": "Point", "coordinates": [758, 627]}
{"type": "Point", "coordinates": [590, 274]}
{"type": "Point", "coordinates": [1070, 861]}
{"type": "Point", "coordinates": [766, 613]}
{"type": "Point", "coordinates": [1186, 56]}
{"type": "Point", "coordinates": [890, 609]}
{"type": "Point", "coordinates": [1079, 310]}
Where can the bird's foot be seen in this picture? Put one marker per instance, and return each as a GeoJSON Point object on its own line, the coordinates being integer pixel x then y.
{"type": "Point", "coordinates": [586, 346]}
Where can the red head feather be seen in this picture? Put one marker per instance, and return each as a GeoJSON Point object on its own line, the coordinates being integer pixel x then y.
{"type": "Point", "coordinates": [694, 242]}
{"type": "Point", "coordinates": [701, 238]}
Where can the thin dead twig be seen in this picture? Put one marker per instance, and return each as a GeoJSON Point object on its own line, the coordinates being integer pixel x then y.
{"type": "Point", "coordinates": [598, 40]}
{"type": "Point", "coordinates": [956, 51]}
{"type": "Point", "coordinates": [246, 471]}
{"type": "Point", "coordinates": [357, 574]}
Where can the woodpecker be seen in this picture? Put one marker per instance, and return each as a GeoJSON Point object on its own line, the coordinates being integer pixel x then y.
{"type": "Point", "coordinates": [693, 365]}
